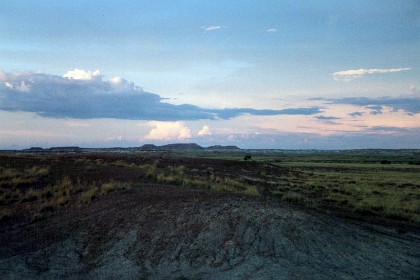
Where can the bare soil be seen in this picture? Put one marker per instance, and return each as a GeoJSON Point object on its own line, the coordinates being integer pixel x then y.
{"type": "Point", "coordinates": [165, 232]}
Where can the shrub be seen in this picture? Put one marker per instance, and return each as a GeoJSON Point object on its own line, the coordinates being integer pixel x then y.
{"type": "Point", "coordinates": [251, 190]}
{"type": "Point", "coordinates": [31, 195]}
{"type": "Point", "coordinates": [149, 170]}
{"type": "Point", "coordinates": [89, 195]}
{"type": "Point", "coordinates": [170, 179]}
{"type": "Point", "coordinates": [121, 163]}
{"type": "Point", "coordinates": [114, 186]}
{"type": "Point", "coordinates": [62, 200]}
{"type": "Point", "coordinates": [293, 197]}
{"type": "Point", "coordinates": [195, 183]}
{"type": "Point", "coordinates": [7, 173]}
{"type": "Point", "coordinates": [233, 182]}
{"type": "Point", "coordinates": [65, 187]}
{"type": "Point", "coordinates": [37, 171]}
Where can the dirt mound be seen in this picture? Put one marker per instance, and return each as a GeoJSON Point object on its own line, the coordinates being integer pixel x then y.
{"type": "Point", "coordinates": [168, 232]}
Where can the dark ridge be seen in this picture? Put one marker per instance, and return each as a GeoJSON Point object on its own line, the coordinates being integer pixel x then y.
{"type": "Point", "coordinates": [219, 147]}
{"type": "Point", "coordinates": [34, 150]}
{"type": "Point", "coordinates": [65, 149]}
{"type": "Point", "coordinates": [145, 147]}
{"type": "Point", "coordinates": [181, 146]}
{"type": "Point", "coordinates": [149, 147]}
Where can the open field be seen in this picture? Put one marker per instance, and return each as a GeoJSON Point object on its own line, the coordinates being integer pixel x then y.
{"type": "Point", "coordinates": [377, 186]}
{"type": "Point", "coordinates": [156, 214]}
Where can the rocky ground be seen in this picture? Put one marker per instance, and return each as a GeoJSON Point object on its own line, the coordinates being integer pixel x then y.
{"type": "Point", "coordinates": [160, 232]}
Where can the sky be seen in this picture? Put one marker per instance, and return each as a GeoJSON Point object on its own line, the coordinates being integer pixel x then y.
{"type": "Point", "coordinates": [257, 74]}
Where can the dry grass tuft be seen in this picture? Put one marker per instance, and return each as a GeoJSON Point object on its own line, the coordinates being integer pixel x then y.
{"type": "Point", "coordinates": [114, 186]}
{"type": "Point", "coordinates": [89, 195]}
{"type": "Point", "coordinates": [251, 190]}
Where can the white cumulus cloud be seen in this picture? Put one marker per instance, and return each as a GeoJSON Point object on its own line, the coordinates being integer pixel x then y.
{"type": "Point", "coordinates": [168, 131]}
{"type": "Point", "coordinates": [204, 131]}
{"type": "Point", "coordinates": [272, 30]}
{"type": "Point", "coordinates": [350, 75]}
{"type": "Point", "coordinates": [79, 74]}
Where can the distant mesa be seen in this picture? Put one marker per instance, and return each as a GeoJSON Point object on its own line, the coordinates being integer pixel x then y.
{"type": "Point", "coordinates": [54, 149]}
{"type": "Point", "coordinates": [149, 147]}
{"type": "Point", "coordinates": [70, 149]}
{"type": "Point", "coordinates": [35, 149]}
{"type": "Point", "coordinates": [219, 147]}
{"type": "Point", "coordinates": [184, 147]}
{"type": "Point", "coordinates": [145, 147]}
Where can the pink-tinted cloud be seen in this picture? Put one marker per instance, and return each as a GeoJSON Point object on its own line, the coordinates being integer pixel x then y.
{"type": "Point", "coordinates": [169, 131]}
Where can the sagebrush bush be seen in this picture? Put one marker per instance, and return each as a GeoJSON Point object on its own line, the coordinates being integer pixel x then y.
{"type": "Point", "coordinates": [251, 190]}
{"type": "Point", "coordinates": [89, 195]}
{"type": "Point", "coordinates": [114, 186]}
{"type": "Point", "coordinates": [149, 170]}
{"type": "Point", "coordinates": [293, 197]}
{"type": "Point", "coordinates": [65, 186]}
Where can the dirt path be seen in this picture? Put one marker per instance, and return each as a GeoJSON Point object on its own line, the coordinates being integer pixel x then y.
{"type": "Point", "coordinates": [169, 232]}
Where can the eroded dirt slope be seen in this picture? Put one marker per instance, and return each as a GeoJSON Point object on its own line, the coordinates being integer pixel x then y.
{"type": "Point", "coordinates": [168, 232]}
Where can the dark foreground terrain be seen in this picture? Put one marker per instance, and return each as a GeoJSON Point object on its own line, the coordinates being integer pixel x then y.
{"type": "Point", "coordinates": [210, 215]}
{"type": "Point", "coordinates": [169, 232]}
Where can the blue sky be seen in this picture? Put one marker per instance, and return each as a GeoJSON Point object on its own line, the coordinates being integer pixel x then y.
{"type": "Point", "coordinates": [257, 74]}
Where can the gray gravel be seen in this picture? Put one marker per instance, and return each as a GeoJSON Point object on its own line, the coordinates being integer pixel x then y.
{"type": "Point", "coordinates": [169, 233]}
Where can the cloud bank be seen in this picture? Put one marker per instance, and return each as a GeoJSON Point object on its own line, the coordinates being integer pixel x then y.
{"type": "Point", "coordinates": [350, 75]}
{"type": "Point", "coordinates": [83, 94]}
{"type": "Point", "coordinates": [408, 104]}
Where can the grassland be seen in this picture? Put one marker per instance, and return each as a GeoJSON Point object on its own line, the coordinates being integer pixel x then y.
{"type": "Point", "coordinates": [377, 186]}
